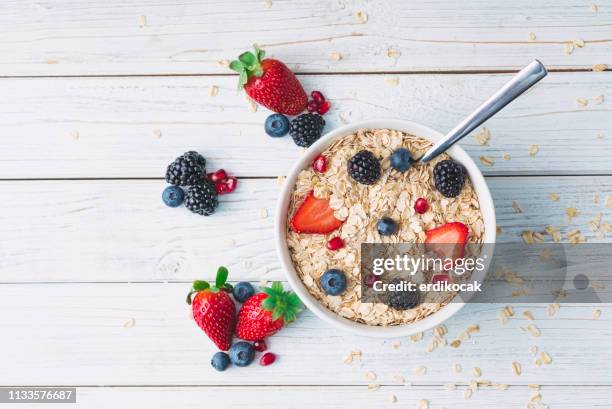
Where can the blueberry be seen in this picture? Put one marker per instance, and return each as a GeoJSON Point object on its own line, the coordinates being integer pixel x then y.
{"type": "Point", "coordinates": [333, 282]}
{"type": "Point", "coordinates": [401, 159]}
{"type": "Point", "coordinates": [243, 291]}
{"type": "Point", "coordinates": [386, 226]}
{"type": "Point", "coordinates": [220, 361]}
{"type": "Point", "coordinates": [173, 196]}
{"type": "Point", "coordinates": [242, 353]}
{"type": "Point", "coordinates": [277, 125]}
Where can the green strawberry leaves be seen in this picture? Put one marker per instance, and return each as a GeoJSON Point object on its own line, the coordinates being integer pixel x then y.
{"type": "Point", "coordinates": [247, 65]}
{"type": "Point", "coordinates": [282, 304]}
{"type": "Point", "coordinates": [220, 284]}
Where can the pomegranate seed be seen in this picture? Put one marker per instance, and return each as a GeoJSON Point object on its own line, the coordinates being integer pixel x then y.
{"type": "Point", "coordinates": [312, 107]}
{"type": "Point", "coordinates": [260, 345]}
{"type": "Point", "coordinates": [421, 205]}
{"type": "Point", "coordinates": [267, 358]}
{"type": "Point", "coordinates": [370, 279]}
{"type": "Point", "coordinates": [439, 278]}
{"type": "Point", "coordinates": [221, 187]}
{"type": "Point", "coordinates": [218, 176]}
{"type": "Point", "coordinates": [335, 243]}
{"type": "Point", "coordinates": [324, 107]}
{"type": "Point", "coordinates": [231, 183]}
{"type": "Point", "coordinates": [320, 164]}
{"type": "Point", "coordinates": [318, 97]}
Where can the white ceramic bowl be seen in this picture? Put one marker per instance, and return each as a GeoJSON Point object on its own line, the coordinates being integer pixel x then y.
{"type": "Point", "coordinates": [480, 186]}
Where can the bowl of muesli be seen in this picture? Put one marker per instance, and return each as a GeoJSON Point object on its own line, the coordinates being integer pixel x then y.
{"type": "Point", "coordinates": [363, 183]}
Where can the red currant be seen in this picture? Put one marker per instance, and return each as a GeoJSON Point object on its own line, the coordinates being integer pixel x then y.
{"type": "Point", "coordinates": [260, 345]}
{"type": "Point", "coordinates": [217, 176]}
{"type": "Point", "coordinates": [370, 279]}
{"type": "Point", "coordinates": [439, 278]}
{"type": "Point", "coordinates": [421, 205]}
{"type": "Point", "coordinates": [335, 243]}
{"type": "Point", "coordinates": [318, 97]}
{"type": "Point", "coordinates": [320, 164]}
{"type": "Point", "coordinates": [324, 107]}
{"type": "Point", "coordinates": [312, 106]}
{"type": "Point", "coordinates": [267, 359]}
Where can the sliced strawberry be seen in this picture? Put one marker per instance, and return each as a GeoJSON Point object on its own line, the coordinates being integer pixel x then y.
{"type": "Point", "coordinates": [448, 240]}
{"type": "Point", "coordinates": [315, 216]}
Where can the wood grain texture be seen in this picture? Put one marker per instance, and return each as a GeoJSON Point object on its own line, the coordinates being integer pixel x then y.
{"type": "Point", "coordinates": [332, 397]}
{"type": "Point", "coordinates": [141, 334]}
{"type": "Point", "coordinates": [119, 230]}
{"type": "Point", "coordinates": [107, 127]}
{"type": "Point", "coordinates": [89, 37]}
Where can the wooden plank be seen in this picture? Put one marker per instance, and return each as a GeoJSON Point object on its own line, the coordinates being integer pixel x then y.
{"type": "Point", "coordinates": [332, 397]}
{"type": "Point", "coordinates": [119, 230]}
{"type": "Point", "coordinates": [129, 37]}
{"type": "Point", "coordinates": [107, 127]}
{"type": "Point", "coordinates": [140, 334]}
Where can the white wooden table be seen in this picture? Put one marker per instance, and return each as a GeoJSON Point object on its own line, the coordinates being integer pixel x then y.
{"type": "Point", "coordinates": [97, 97]}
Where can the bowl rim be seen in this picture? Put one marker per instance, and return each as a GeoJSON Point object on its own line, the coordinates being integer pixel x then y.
{"type": "Point", "coordinates": [456, 152]}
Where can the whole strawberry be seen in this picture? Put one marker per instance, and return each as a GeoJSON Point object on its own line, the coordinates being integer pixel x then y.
{"type": "Point", "coordinates": [265, 313]}
{"type": "Point", "coordinates": [270, 83]}
{"type": "Point", "coordinates": [213, 309]}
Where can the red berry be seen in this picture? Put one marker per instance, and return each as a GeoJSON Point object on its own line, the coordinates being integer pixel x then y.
{"type": "Point", "coordinates": [312, 107]}
{"type": "Point", "coordinates": [318, 97]}
{"type": "Point", "coordinates": [335, 243]}
{"type": "Point", "coordinates": [370, 279]}
{"type": "Point", "coordinates": [421, 205]}
{"type": "Point", "coordinates": [320, 164]}
{"type": "Point", "coordinates": [324, 107]}
{"type": "Point", "coordinates": [267, 358]}
{"type": "Point", "coordinates": [231, 183]}
{"type": "Point", "coordinates": [260, 345]}
{"type": "Point", "coordinates": [217, 176]}
{"type": "Point", "coordinates": [439, 278]}
{"type": "Point", "coordinates": [221, 187]}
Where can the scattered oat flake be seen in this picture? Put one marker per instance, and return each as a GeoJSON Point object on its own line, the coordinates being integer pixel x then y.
{"type": "Point", "coordinates": [397, 345]}
{"type": "Point", "coordinates": [516, 367]}
{"type": "Point", "coordinates": [142, 21]}
{"type": "Point", "coordinates": [477, 371]}
{"type": "Point", "coordinates": [582, 102]}
{"type": "Point", "coordinates": [554, 197]}
{"type": "Point", "coordinates": [483, 136]}
{"type": "Point", "coordinates": [423, 404]}
{"type": "Point", "coordinates": [600, 67]}
{"type": "Point", "coordinates": [532, 36]}
{"type": "Point", "coordinates": [502, 387]}
{"type": "Point", "coordinates": [457, 368]}
{"type": "Point", "coordinates": [268, 3]}
{"type": "Point", "coordinates": [373, 386]}
{"type": "Point", "coordinates": [252, 105]}
{"type": "Point", "coordinates": [391, 53]}
{"type": "Point", "coordinates": [393, 81]}
{"type": "Point", "coordinates": [263, 213]}
{"type": "Point", "coordinates": [450, 387]}
{"type": "Point", "coordinates": [157, 133]}
{"type": "Point", "coordinates": [609, 201]}
{"type": "Point", "coordinates": [336, 56]}
{"type": "Point", "coordinates": [599, 99]}
{"type": "Point", "coordinates": [467, 393]}
{"type": "Point", "coordinates": [399, 379]}
{"type": "Point", "coordinates": [129, 323]}
{"type": "Point", "coordinates": [569, 48]}
{"type": "Point", "coordinates": [486, 160]}
{"type": "Point", "coordinates": [416, 337]}
{"type": "Point", "coordinates": [473, 328]}
{"type": "Point", "coordinates": [420, 370]}
{"type": "Point", "coordinates": [362, 17]}
{"type": "Point", "coordinates": [533, 330]}
{"type": "Point", "coordinates": [517, 208]}
{"type": "Point", "coordinates": [594, 8]}
{"type": "Point", "coordinates": [571, 212]}
{"type": "Point", "coordinates": [214, 90]}
{"type": "Point", "coordinates": [370, 375]}
{"type": "Point", "coordinates": [455, 343]}
{"type": "Point", "coordinates": [223, 63]}
{"type": "Point", "coordinates": [534, 386]}
{"type": "Point", "coordinates": [533, 350]}
{"type": "Point", "coordinates": [533, 150]}
{"type": "Point", "coordinates": [596, 314]}
{"type": "Point", "coordinates": [527, 236]}
{"type": "Point", "coordinates": [527, 314]}
{"type": "Point", "coordinates": [579, 43]}
{"type": "Point", "coordinates": [280, 180]}
{"type": "Point", "coordinates": [546, 359]}
{"type": "Point", "coordinates": [392, 398]}
{"type": "Point", "coordinates": [506, 156]}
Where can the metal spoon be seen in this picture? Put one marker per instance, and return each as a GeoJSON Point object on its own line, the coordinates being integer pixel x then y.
{"type": "Point", "coordinates": [525, 79]}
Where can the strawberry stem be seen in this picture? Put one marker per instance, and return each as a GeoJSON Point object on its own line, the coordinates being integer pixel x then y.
{"type": "Point", "coordinates": [201, 285]}
{"type": "Point", "coordinates": [282, 304]}
{"type": "Point", "coordinates": [247, 65]}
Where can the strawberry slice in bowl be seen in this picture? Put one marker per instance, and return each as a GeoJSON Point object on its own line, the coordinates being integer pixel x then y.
{"type": "Point", "coordinates": [315, 216]}
{"type": "Point", "coordinates": [448, 242]}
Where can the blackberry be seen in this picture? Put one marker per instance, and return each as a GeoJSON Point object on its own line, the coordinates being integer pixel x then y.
{"type": "Point", "coordinates": [306, 129]}
{"type": "Point", "coordinates": [201, 198]}
{"type": "Point", "coordinates": [449, 177]}
{"type": "Point", "coordinates": [403, 300]}
{"type": "Point", "coordinates": [186, 170]}
{"type": "Point", "coordinates": [364, 167]}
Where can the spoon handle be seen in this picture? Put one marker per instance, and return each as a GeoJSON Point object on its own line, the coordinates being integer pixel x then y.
{"type": "Point", "coordinates": [521, 82]}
